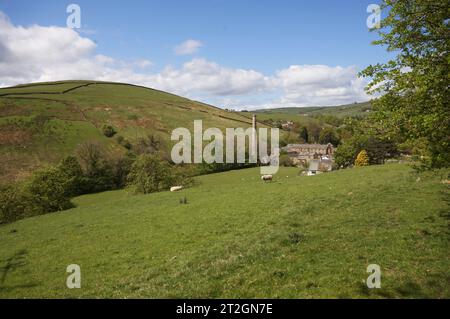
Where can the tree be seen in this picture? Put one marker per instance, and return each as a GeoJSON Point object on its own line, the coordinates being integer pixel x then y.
{"type": "Point", "coordinates": [47, 189]}
{"type": "Point", "coordinates": [362, 159]}
{"type": "Point", "coordinates": [414, 101]}
{"type": "Point", "coordinates": [151, 144]}
{"type": "Point", "coordinates": [314, 130]}
{"type": "Point", "coordinates": [71, 175]}
{"type": "Point", "coordinates": [14, 203]}
{"type": "Point", "coordinates": [328, 135]}
{"type": "Point", "coordinates": [97, 167]}
{"type": "Point", "coordinates": [379, 149]}
{"type": "Point", "coordinates": [150, 174]}
{"type": "Point", "coordinates": [344, 155]}
{"type": "Point", "coordinates": [304, 134]}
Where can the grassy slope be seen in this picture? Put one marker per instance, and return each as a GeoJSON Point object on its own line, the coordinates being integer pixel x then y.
{"type": "Point", "coordinates": [41, 123]}
{"type": "Point", "coordinates": [304, 114]}
{"type": "Point", "coordinates": [237, 238]}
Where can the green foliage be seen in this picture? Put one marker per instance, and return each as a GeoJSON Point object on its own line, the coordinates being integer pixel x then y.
{"type": "Point", "coordinates": [151, 144]}
{"type": "Point", "coordinates": [314, 130]}
{"type": "Point", "coordinates": [414, 102]}
{"type": "Point", "coordinates": [108, 130]}
{"type": "Point", "coordinates": [286, 161]}
{"type": "Point", "coordinates": [345, 155]}
{"type": "Point", "coordinates": [362, 159]}
{"type": "Point", "coordinates": [15, 204]}
{"type": "Point", "coordinates": [47, 188]}
{"type": "Point", "coordinates": [121, 169]}
{"type": "Point", "coordinates": [377, 149]}
{"type": "Point", "coordinates": [304, 134]}
{"type": "Point", "coordinates": [72, 176]}
{"type": "Point", "coordinates": [329, 135]}
{"type": "Point", "coordinates": [97, 167]}
{"type": "Point", "coordinates": [124, 142]}
{"type": "Point", "coordinates": [150, 174]}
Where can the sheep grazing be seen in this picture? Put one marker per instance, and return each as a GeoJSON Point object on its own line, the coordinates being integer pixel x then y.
{"type": "Point", "coordinates": [267, 178]}
{"type": "Point", "coordinates": [176, 188]}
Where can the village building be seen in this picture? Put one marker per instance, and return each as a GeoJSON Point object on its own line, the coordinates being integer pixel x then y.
{"type": "Point", "coordinates": [287, 125]}
{"type": "Point", "coordinates": [317, 157]}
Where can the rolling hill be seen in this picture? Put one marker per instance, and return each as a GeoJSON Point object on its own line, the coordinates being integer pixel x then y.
{"type": "Point", "coordinates": [237, 237]}
{"type": "Point", "coordinates": [302, 114]}
{"type": "Point", "coordinates": [42, 122]}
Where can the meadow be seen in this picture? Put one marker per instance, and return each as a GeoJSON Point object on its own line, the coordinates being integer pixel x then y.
{"type": "Point", "coordinates": [238, 237]}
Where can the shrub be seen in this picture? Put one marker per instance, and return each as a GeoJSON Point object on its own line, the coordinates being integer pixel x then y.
{"type": "Point", "coordinates": [345, 155]}
{"type": "Point", "coordinates": [121, 169]}
{"type": "Point", "coordinates": [108, 130]}
{"type": "Point", "coordinates": [15, 204]}
{"type": "Point", "coordinates": [362, 159]}
{"type": "Point", "coordinates": [149, 174]}
{"type": "Point", "coordinates": [286, 161]}
{"type": "Point", "coordinates": [74, 183]}
{"type": "Point", "coordinates": [47, 191]}
{"type": "Point", "coordinates": [97, 167]}
{"type": "Point", "coordinates": [329, 135]}
{"type": "Point", "coordinates": [151, 144]}
{"type": "Point", "coordinates": [124, 142]}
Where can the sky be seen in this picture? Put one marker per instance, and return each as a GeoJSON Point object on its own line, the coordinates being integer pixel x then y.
{"type": "Point", "coordinates": [240, 54]}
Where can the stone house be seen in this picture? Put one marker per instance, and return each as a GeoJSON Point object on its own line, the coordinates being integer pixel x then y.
{"type": "Point", "coordinates": [302, 154]}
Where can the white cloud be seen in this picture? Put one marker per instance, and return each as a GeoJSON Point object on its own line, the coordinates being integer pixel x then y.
{"type": "Point", "coordinates": [307, 85]}
{"type": "Point", "coordinates": [37, 53]}
{"type": "Point", "coordinates": [188, 47]}
{"type": "Point", "coordinates": [202, 76]}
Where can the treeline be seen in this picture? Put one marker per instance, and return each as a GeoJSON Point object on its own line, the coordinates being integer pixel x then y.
{"type": "Point", "coordinates": [143, 166]}
{"type": "Point", "coordinates": [90, 170]}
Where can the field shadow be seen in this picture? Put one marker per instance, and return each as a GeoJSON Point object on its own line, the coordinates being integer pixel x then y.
{"type": "Point", "coordinates": [444, 213]}
{"type": "Point", "coordinates": [17, 261]}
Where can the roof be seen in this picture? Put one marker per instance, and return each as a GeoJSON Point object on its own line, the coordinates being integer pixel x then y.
{"type": "Point", "coordinates": [323, 146]}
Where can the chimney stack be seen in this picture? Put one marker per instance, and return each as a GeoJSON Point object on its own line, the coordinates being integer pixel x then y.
{"type": "Point", "coordinates": [254, 144]}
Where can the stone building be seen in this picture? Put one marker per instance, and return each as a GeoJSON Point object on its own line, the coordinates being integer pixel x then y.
{"type": "Point", "coordinates": [302, 154]}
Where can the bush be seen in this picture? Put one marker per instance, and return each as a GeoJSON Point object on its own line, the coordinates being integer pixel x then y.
{"type": "Point", "coordinates": [362, 159]}
{"type": "Point", "coordinates": [124, 142]}
{"type": "Point", "coordinates": [149, 174]}
{"type": "Point", "coordinates": [344, 155]}
{"type": "Point", "coordinates": [14, 204]}
{"type": "Point", "coordinates": [286, 161]}
{"type": "Point", "coordinates": [71, 174]}
{"type": "Point", "coordinates": [47, 191]}
{"type": "Point", "coordinates": [329, 135]}
{"type": "Point", "coordinates": [97, 170]}
{"type": "Point", "coordinates": [108, 130]}
{"type": "Point", "coordinates": [121, 169]}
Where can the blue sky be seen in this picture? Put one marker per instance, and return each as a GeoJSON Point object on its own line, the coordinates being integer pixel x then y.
{"type": "Point", "coordinates": [264, 37]}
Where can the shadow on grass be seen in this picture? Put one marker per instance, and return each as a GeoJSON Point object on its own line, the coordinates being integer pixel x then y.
{"type": "Point", "coordinates": [11, 264]}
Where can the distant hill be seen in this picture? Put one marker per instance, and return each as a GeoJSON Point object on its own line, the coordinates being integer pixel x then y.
{"type": "Point", "coordinates": [355, 109]}
{"type": "Point", "coordinates": [42, 122]}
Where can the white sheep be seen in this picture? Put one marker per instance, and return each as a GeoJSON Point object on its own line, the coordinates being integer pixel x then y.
{"type": "Point", "coordinates": [267, 178]}
{"type": "Point", "coordinates": [176, 188]}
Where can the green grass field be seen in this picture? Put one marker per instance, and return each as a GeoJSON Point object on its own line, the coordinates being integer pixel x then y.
{"type": "Point", "coordinates": [297, 237]}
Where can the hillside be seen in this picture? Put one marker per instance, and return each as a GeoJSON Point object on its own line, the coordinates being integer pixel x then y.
{"type": "Point", "coordinates": [302, 114]}
{"type": "Point", "coordinates": [297, 237]}
{"type": "Point", "coordinates": [41, 123]}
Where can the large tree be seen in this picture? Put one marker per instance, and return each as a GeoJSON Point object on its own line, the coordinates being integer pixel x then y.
{"type": "Point", "coordinates": [413, 88]}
